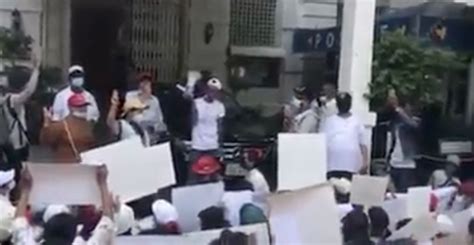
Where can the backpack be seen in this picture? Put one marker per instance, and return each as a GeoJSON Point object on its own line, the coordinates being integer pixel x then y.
{"type": "Point", "coordinates": [16, 120]}
{"type": "Point", "coordinates": [4, 122]}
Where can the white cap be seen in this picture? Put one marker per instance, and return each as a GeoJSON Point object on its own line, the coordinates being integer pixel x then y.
{"type": "Point", "coordinates": [54, 210]}
{"type": "Point", "coordinates": [124, 219]}
{"type": "Point", "coordinates": [6, 177]}
{"type": "Point", "coordinates": [439, 177]}
{"type": "Point", "coordinates": [215, 83]}
{"type": "Point", "coordinates": [454, 159]}
{"type": "Point", "coordinates": [7, 215]}
{"type": "Point", "coordinates": [164, 212]}
{"type": "Point", "coordinates": [75, 68]}
{"type": "Point", "coordinates": [342, 186]}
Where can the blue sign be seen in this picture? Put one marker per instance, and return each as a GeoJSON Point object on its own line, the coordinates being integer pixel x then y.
{"type": "Point", "coordinates": [305, 40]}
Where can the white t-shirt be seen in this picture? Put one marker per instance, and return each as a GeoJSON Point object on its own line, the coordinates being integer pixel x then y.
{"type": "Point", "coordinates": [344, 136]}
{"type": "Point", "coordinates": [205, 131]}
{"type": "Point", "coordinates": [61, 108]}
{"type": "Point", "coordinates": [127, 132]}
{"type": "Point", "coordinates": [397, 159]}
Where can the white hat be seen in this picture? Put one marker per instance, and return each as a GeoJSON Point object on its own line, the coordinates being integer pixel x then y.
{"type": "Point", "coordinates": [215, 83]}
{"type": "Point", "coordinates": [164, 212]}
{"type": "Point", "coordinates": [342, 185]}
{"type": "Point", "coordinates": [124, 219]}
{"type": "Point", "coordinates": [7, 215]}
{"type": "Point", "coordinates": [6, 177]}
{"type": "Point", "coordinates": [445, 224]}
{"type": "Point", "coordinates": [54, 210]}
{"type": "Point", "coordinates": [439, 177]}
{"type": "Point", "coordinates": [75, 68]}
{"type": "Point", "coordinates": [454, 159]}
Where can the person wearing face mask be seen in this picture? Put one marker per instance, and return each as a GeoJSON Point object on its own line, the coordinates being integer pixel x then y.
{"type": "Point", "coordinates": [76, 85]}
{"type": "Point", "coordinates": [152, 116]}
{"type": "Point", "coordinates": [293, 108]}
{"type": "Point", "coordinates": [130, 124]}
{"type": "Point", "coordinates": [306, 120]}
{"type": "Point", "coordinates": [328, 101]}
{"type": "Point", "coordinates": [72, 135]}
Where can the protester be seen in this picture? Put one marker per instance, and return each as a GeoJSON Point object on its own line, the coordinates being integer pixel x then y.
{"type": "Point", "coordinates": [232, 202]}
{"type": "Point", "coordinates": [213, 218]}
{"type": "Point", "coordinates": [255, 177]}
{"type": "Point", "coordinates": [306, 119]}
{"type": "Point", "coordinates": [347, 149]}
{"type": "Point", "coordinates": [130, 124]}
{"type": "Point", "coordinates": [251, 214]}
{"type": "Point", "coordinates": [7, 210]}
{"type": "Point", "coordinates": [124, 219]}
{"type": "Point", "coordinates": [208, 113]}
{"type": "Point", "coordinates": [62, 228]}
{"type": "Point", "coordinates": [153, 121]}
{"type": "Point", "coordinates": [73, 134]}
{"type": "Point", "coordinates": [165, 219]}
{"type": "Point", "coordinates": [328, 101]}
{"type": "Point", "coordinates": [379, 222]}
{"type": "Point", "coordinates": [355, 228]}
{"type": "Point", "coordinates": [403, 146]}
{"type": "Point", "coordinates": [76, 85]}
{"type": "Point", "coordinates": [14, 142]}
{"type": "Point", "coordinates": [342, 187]}
{"type": "Point", "coordinates": [293, 108]}
{"type": "Point", "coordinates": [446, 177]}
{"type": "Point", "coordinates": [228, 237]}
{"type": "Point", "coordinates": [206, 169]}
{"type": "Point", "coordinates": [178, 117]}
{"type": "Point", "coordinates": [201, 86]}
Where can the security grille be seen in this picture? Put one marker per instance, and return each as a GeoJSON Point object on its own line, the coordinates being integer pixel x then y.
{"type": "Point", "coordinates": [252, 22]}
{"type": "Point", "coordinates": [155, 37]}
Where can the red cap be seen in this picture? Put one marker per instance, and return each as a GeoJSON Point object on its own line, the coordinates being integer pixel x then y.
{"type": "Point", "coordinates": [144, 76]}
{"type": "Point", "coordinates": [206, 165]}
{"type": "Point", "coordinates": [467, 188]}
{"type": "Point", "coordinates": [77, 100]}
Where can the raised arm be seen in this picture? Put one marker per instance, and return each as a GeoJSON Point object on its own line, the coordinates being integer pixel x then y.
{"type": "Point", "coordinates": [21, 98]}
{"type": "Point", "coordinates": [112, 115]}
{"type": "Point", "coordinates": [107, 202]}
{"type": "Point", "coordinates": [93, 113]}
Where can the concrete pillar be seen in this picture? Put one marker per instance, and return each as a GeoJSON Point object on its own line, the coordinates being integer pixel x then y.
{"type": "Point", "coordinates": [355, 68]}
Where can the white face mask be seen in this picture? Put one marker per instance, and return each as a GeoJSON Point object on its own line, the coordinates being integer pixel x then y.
{"type": "Point", "coordinates": [323, 99]}
{"type": "Point", "coordinates": [11, 185]}
{"type": "Point", "coordinates": [296, 102]}
{"type": "Point", "coordinates": [138, 118]}
{"type": "Point", "coordinates": [77, 82]}
{"type": "Point", "coordinates": [80, 114]}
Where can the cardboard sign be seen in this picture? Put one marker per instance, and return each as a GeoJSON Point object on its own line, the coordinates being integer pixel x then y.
{"type": "Point", "coordinates": [66, 184]}
{"type": "Point", "coordinates": [306, 216]}
{"type": "Point", "coordinates": [258, 234]}
{"type": "Point", "coordinates": [423, 228]}
{"type": "Point", "coordinates": [191, 200]}
{"type": "Point", "coordinates": [302, 160]}
{"type": "Point", "coordinates": [135, 171]}
{"type": "Point", "coordinates": [368, 190]}
{"type": "Point", "coordinates": [418, 201]}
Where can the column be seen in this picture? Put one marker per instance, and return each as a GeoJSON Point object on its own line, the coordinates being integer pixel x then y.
{"type": "Point", "coordinates": [355, 68]}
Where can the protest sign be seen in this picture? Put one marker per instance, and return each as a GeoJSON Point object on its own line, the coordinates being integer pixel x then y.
{"type": "Point", "coordinates": [259, 235]}
{"type": "Point", "coordinates": [134, 171]}
{"type": "Point", "coordinates": [301, 160]}
{"type": "Point", "coordinates": [422, 228]}
{"type": "Point", "coordinates": [461, 232]}
{"type": "Point", "coordinates": [396, 210]}
{"type": "Point", "coordinates": [368, 190]}
{"type": "Point", "coordinates": [68, 184]}
{"type": "Point", "coordinates": [306, 216]}
{"type": "Point", "coordinates": [418, 201]}
{"type": "Point", "coordinates": [191, 200]}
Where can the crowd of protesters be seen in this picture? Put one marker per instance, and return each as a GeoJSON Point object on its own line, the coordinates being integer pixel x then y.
{"type": "Point", "coordinates": [68, 129]}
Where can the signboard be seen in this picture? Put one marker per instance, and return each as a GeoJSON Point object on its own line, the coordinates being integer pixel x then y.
{"type": "Point", "coordinates": [307, 40]}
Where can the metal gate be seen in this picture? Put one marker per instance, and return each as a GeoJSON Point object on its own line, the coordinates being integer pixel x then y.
{"type": "Point", "coordinates": [156, 37]}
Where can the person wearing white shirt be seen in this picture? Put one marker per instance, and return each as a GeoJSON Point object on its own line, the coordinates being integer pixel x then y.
{"type": "Point", "coordinates": [347, 149]}
{"type": "Point", "coordinates": [153, 120]}
{"type": "Point", "coordinates": [328, 101]}
{"type": "Point", "coordinates": [306, 120]}
{"type": "Point", "coordinates": [60, 109]}
{"type": "Point", "coordinates": [7, 210]}
{"type": "Point", "coordinates": [208, 113]}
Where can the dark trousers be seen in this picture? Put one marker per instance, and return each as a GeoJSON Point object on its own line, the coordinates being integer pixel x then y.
{"type": "Point", "coordinates": [340, 198]}
{"type": "Point", "coordinates": [179, 163]}
{"type": "Point", "coordinates": [403, 178]}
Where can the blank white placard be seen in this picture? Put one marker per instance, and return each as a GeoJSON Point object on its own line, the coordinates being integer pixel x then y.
{"type": "Point", "coordinates": [306, 216]}
{"type": "Point", "coordinates": [418, 201]}
{"type": "Point", "coordinates": [191, 200]}
{"type": "Point", "coordinates": [66, 184]}
{"type": "Point", "coordinates": [302, 160]}
{"type": "Point", "coordinates": [368, 190]}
